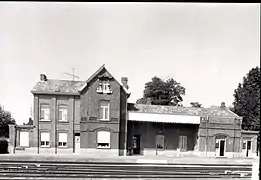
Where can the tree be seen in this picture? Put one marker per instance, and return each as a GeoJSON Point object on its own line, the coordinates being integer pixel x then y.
{"type": "Point", "coordinates": [5, 120]}
{"type": "Point", "coordinates": [247, 100]}
{"type": "Point", "coordinates": [195, 104]}
{"type": "Point", "coordinates": [160, 92]}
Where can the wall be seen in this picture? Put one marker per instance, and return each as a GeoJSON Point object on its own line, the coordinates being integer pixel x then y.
{"type": "Point", "coordinates": [209, 130]}
{"type": "Point", "coordinates": [123, 124]}
{"type": "Point", "coordinates": [90, 110]}
{"type": "Point", "coordinates": [54, 126]}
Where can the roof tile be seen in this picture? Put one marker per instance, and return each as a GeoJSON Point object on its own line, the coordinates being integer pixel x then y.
{"type": "Point", "coordinates": [178, 110]}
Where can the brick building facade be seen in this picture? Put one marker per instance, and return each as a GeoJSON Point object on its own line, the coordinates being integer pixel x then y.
{"type": "Point", "coordinates": [94, 117]}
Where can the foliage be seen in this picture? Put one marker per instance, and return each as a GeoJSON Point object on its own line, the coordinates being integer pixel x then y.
{"type": "Point", "coordinates": [195, 104]}
{"type": "Point", "coordinates": [247, 100]}
{"type": "Point", "coordinates": [5, 119]}
{"type": "Point", "coordinates": [3, 147]}
{"type": "Point", "coordinates": [161, 92]}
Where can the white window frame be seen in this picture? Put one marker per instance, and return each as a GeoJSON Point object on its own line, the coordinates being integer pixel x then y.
{"type": "Point", "coordinates": [46, 111]}
{"type": "Point", "coordinates": [103, 137]}
{"type": "Point", "coordinates": [23, 138]}
{"type": "Point", "coordinates": [106, 87]}
{"type": "Point", "coordinates": [103, 107]}
{"type": "Point", "coordinates": [46, 143]}
{"type": "Point", "coordinates": [64, 110]}
{"type": "Point", "coordinates": [62, 141]}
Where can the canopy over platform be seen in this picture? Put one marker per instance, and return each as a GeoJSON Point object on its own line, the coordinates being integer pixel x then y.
{"type": "Point", "coordinates": [163, 118]}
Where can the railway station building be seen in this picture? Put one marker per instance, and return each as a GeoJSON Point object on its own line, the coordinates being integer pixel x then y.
{"type": "Point", "coordinates": [94, 117]}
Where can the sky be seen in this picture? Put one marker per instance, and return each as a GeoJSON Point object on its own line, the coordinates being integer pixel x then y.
{"type": "Point", "coordinates": [208, 48]}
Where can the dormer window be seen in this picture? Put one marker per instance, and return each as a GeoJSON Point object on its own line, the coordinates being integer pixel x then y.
{"type": "Point", "coordinates": [104, 87]}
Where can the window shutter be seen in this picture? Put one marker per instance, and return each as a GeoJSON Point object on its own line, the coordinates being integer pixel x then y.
{"type": "Point", "coordinates": [65, 114]}
{"type": "Point", "coordinates": [185, 142]}
{"type": "Point", "coordinates": [42, 114]}
{"type": "Point", "coordinates": [60, 114]}
{"type": "Point", "coordinates": [103, 137]}
{"type": "Point", "coordinates": [62, 137]}
{"type": "Point", "coordinates": [106, 113]}
{"type": "Point", "coordinates": [45, 136]}
{"type": "Point", "coordinates": [47, 114]}
{"type": "Point", "coordinates": [180, 142]}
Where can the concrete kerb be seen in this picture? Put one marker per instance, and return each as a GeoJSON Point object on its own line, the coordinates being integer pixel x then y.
{"type": "Point", "coordinates": [126, 159]}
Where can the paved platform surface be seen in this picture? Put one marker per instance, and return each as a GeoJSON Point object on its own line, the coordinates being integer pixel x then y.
{"type": "Point", "coordinates": [128, 159]}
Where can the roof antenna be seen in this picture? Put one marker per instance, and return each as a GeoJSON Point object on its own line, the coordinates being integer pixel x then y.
{"type": "Point", "coordinates": [72, 75]}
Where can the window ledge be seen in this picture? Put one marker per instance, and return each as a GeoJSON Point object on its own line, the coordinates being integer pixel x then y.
{"type": "Point", "coordinates": [62, 147]}
{"type": "Point", "coordinates": [104, 119]}
{"type": "Point", "coordinates": [103, 148]}
{"type": "Point", "coordinates": [61, 121]}
{"type": "Point", "coordinates": [45, 146]}
{"type": "Point", "coordinates": [44, 120]}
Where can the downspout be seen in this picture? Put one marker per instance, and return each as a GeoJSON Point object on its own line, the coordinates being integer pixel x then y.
{"type": "Point", "coordinates": [207, 121]}
{"type": "Point", "coordinates": [38, 131]}
{"type": "Point", "coordinates": [15, 138]}
{"type": "Point", "coordinates": [73, 124]}
{"type": "Point", "coordinates": [55, 124]}
{"type": "Point", "coordinates": [234, 137]}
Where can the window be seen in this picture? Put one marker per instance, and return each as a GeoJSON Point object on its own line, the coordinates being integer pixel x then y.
{"type": "Point", "coordinates": [103, 139]}
{"type": "Point", "coordinates": [183, 142]}
{"type": "Point", "coordinates": [63, 113]}
{"type": "Point", "coordinates": [45, 139]}
{"type": "Point", "coordinates": [104, 110]}
{"type": "Point", "coordinates": [160, 142]}
{"type": "Point", "coordinates": [24, 138]}
{"type": "Point", "coordinates": [104, 87]}
{"type": "Point", "coordinates": [62, 139]}
{"type": "Point", "coordinates": [45, 112]}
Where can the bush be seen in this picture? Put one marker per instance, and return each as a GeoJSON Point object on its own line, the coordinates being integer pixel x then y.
{"type": "Point", "coordinates": [3, 147]}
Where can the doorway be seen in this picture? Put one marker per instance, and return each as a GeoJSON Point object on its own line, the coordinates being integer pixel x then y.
{"type": "Point", "coordinates": [136, 144]}
{"type": "Point", "coordinates": [247, 147]}
{"type": "Point", "coordinates": [220, 147]}
{"type": "Point", "coordinates": [77, 142]}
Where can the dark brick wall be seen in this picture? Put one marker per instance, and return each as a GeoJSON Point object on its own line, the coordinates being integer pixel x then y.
{"type": "Point", "coordinates": [123, 124]}
{"type": "Point", "coordinates": [90, 112]}
{"type": "Point", "coordinates": [54, 126]}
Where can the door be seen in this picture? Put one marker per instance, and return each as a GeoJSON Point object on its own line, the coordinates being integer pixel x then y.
{"type": "Point", "coordinates": [136, 144]}
{"type": "Point", "coordinates": [248, 150]}
{"type": "Point", "coordinates": [222, 148]}
{"type": "Point", "coordinates": [77, 142]}
{"type": "Point", "coordinates": [247, 146]}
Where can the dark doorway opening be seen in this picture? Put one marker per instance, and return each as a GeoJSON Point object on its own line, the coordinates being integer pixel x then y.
{"type": "Point", "coordinates": [136, 144]}
{"type": "Point", "coordinates": [222, 147]}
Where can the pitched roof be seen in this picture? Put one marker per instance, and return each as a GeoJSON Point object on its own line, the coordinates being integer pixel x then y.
{"type": "Point", "coordinates": [178, 110]}
{"type": "Point", "coordinates": [55, 86]}
{"type": "Point", "coordinates": [96, 73]}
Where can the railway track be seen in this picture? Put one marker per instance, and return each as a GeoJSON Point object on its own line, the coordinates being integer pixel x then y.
{"type": "Point", "coordinates": [86, 170]}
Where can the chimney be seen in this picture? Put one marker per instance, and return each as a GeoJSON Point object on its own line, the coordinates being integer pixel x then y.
{"type": "Point", "coordinates": [223, 105]}
{"type": "Point", "coordinates": [148, 101]}
{"type": "Point", "coordinates": [43, 77]}
{"type": "Point", "coordinates": [124, 81]}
